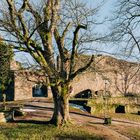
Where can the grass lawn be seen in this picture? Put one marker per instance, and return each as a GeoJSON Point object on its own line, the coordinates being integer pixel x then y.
{"type": "Point", "coordinates": [26, 131]}
{"type": "Point", "coordinates": [126, 116]}
{"type": "Point", "coordinates": [122, 116]}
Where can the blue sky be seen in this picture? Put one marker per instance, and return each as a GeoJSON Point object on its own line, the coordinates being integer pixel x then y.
{"type": "Point", "coordinates": [105, 12]}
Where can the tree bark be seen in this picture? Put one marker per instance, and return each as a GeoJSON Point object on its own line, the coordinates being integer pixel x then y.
{"type": "Point", "coordinates": [61, 105]}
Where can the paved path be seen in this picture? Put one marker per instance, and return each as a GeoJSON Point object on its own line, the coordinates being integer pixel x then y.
{"type": "Point", "coordinates": [42, 110]}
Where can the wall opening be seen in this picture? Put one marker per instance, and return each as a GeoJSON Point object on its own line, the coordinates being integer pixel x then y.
{"type": "Point", "coordinates": [39, 90]}
{"type": "Point", "coordinates": [84, 94]}
{"type": "Point", "coordinates": [120, 109]}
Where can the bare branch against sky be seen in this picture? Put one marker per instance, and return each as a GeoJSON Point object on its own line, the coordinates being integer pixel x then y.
{"type": "Point", "coordinates": [104, 13]}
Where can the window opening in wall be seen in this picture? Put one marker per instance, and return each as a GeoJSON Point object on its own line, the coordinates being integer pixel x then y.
{"type": "Point", "coordinates": [39, 90]}
{"type": "Point", "coordinates": [120, 109]}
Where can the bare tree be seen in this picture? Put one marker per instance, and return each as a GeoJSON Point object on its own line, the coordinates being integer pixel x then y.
{"type": "Point", "coordinates": [126, 77]}
{"type": "Point", "coordinates": [126, 25]}
{"type": "Point", "coordinates": [47, 29]}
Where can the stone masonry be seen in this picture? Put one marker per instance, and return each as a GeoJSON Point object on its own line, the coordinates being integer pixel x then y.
{"type": "Point", "coordinates": [106, 73]}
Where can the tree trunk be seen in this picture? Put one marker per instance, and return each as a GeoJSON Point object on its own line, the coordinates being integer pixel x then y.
{"type": "Point", "coordinates": [61, 106]}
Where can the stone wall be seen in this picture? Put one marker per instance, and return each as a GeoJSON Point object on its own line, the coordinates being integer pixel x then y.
{"type": "Point", "coordinates": [107, 73]}
{"type": "Point", "coordinates": [105, 69]}
{"type": "Point", "coordinates": [99, 105]}
{"type": "Point", "coordinates": [87, 81]}
{"type": "Point", "coordinates": [24, 81]}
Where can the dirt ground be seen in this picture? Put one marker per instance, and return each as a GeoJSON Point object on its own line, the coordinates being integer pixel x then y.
{"type": "Point", "coordinates": [42, 110]}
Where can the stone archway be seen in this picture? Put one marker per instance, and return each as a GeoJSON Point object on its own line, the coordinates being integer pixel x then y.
{"type": "Point", "coordinates": [39, 90]}
{"type": "Point", "coordinates": [84, 94]}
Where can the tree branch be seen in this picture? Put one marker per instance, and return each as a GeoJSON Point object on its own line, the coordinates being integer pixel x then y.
{"type": "Point", "coordinates": [11, 11]}
{"type": "Point", "coordinates": [75, 41]}
{"type": "Point", "coordinates": [79, 71]}
{"type": "Point", "coordinates": [35, 14]}
{"type": "Point", "coordinates": [65, 31]}
{"type": "Point", "coordinates": [21, 20]}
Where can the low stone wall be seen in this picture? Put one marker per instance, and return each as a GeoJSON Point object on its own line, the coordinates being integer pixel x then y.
{"type": "Point", "coordinates": [100, 108]}
{"type": "Point", "coordinates": [116, 100]}
{"type": "Point", "coordinates": [101, 105]}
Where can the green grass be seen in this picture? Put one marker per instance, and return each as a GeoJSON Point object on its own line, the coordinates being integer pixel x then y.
{"type": "Point", "coordinates": [21, 131]}
{"type": "Point", "coordinates": [123, 116]}
{"type": "Point", "coordinates": [126, 116]}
